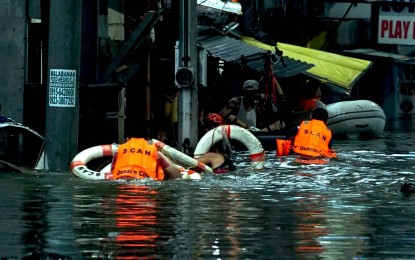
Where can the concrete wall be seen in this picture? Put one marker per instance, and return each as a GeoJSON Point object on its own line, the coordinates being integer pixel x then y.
{"type": "Point", "coordinates": [12, 51]}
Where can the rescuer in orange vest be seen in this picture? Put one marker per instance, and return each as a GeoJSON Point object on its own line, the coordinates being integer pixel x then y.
{"type": "Point", "coordinates": [311, 139]}
{"type": "Point", "coordinates": [139, 158]}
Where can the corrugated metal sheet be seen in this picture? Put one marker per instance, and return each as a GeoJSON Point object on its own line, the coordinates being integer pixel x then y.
{"type": "Point", "coordinates": [234, 50]}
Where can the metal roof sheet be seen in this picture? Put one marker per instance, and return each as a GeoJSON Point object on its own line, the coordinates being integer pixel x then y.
{"type": "Point", "coordinates": [234, 50]}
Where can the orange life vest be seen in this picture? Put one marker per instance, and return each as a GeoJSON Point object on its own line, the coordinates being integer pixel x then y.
{"type": "Point", "coordinates": [137, 158]}
{"type": "Point", "coordinates": [283, 147]}
{"type": "Point", "coordinates": [307, 104]}
{"type": "Point", "coordinates": [313, 139]}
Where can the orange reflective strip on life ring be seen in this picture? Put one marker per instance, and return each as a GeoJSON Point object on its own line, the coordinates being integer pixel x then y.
{"type": "Point", "coordinates": [259, 157]}
{"type": "Point", "coordinates": [189, 174]}
{"type": "Point", "coordinates": [200, 167]}
{"type": "Point", "coordinates": [227, 129]}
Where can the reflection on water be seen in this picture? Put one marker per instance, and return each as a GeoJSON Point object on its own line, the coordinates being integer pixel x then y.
{"type": "Point", "coordinates": [136, 230]}
{"type": "Point", "coordinates": [348, 208]}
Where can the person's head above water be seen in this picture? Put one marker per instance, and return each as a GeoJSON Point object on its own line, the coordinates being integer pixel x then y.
{"type": "Point", "coordinates": [320, 114]}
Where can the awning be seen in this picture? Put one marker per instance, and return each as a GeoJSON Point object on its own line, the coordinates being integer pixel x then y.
{"type": "Point", "coordinates": [234, 50]}
{"type": "Point", "coordinates": [329, 67]}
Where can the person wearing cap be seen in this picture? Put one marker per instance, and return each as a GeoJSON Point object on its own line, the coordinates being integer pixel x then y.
{"type": "Point", "coordinates": [242, 111]}
{"type": "Point", "coordinates": [312, 138]}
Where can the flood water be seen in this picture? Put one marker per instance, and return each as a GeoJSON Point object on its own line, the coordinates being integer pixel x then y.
{"type": "Point", "coordinates": [350, 208]}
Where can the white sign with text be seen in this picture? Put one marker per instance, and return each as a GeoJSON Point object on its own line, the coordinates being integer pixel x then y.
{"type": "Point", "coordinates": [396, 24]}
{"type": "Point", "coordinates": [62, 88]}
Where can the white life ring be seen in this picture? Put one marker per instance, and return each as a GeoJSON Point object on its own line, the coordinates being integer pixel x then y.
{"type": "Point", "coordinates": [80, 169]}
{"type": "Point", "coordinates": [257, 153]}
{"type": "Point", "coordinates": [79, 162]}
{"type": "Point", "coordinates": [189, 174]}
{"type": "Point", "coordinates": [182, 158]}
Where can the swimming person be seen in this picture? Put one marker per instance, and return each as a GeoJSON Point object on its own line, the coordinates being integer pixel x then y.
{"type": "Point", "coordinates": [311, 139]}
{"type": "Point", "coordinates": [140, 158]}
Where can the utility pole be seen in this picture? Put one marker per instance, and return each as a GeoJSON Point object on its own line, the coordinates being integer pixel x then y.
{"type": "Point", "coordinates": [62, 107]}
{"type": "Point", "coordinates": [187, 76]}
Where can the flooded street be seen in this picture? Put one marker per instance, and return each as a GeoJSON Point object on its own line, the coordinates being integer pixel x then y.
{"type": "Point", "coordinates": [349, 208]}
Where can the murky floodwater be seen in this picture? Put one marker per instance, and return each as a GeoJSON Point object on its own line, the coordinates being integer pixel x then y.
{"type": "Point", "coordinates": [350, 208]}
